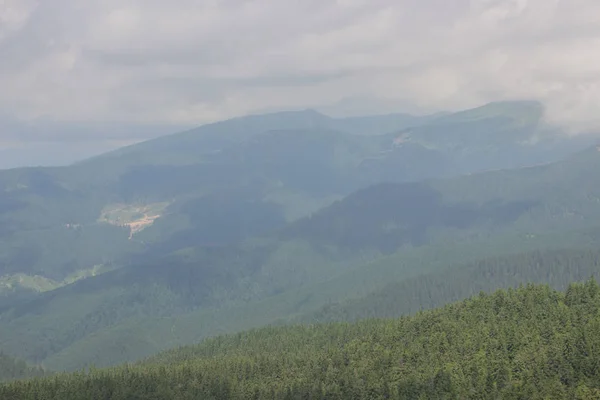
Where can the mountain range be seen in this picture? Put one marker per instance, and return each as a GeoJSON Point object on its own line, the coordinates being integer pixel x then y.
{"type": "Point", "coordinates": [291, 216]}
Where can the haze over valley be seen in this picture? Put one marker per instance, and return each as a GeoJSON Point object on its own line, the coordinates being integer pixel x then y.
{"type": "Point", "coordinates": [339, 212]}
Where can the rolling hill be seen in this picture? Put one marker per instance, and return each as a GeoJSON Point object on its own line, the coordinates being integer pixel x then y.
{"type": "Point", "coordinates": [531, 342]}
{"type": "Point", "coordinates": [557, 268]}
{"type": "Point", "coordinates": [372, 238]}
{"type": "Point", "coordinates": [225, 182]}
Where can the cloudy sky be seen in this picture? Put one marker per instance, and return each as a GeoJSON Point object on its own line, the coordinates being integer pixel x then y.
{"type": "Point", "coordinates": [185, 62]}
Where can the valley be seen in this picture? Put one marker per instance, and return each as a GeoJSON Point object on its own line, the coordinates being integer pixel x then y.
{"type": "Point", "coordinates": [301, 200]}
{"type": "Point", "coordinates": [271, 220]}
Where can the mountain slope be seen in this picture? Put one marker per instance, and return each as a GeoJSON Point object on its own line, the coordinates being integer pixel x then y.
{"type": "Point", "coordinates": [556, 268]}
{"type": "Point", "coordinates": [510, 344]}
{"type": "Point", "coordinates": [371, 238]}
{"type": "Point", "coordinates": [137, 337]}
{"type": "Point", "coordinates": [172, 192]}
{"type": "Point", "coordinates": [495, 136]}
{"type": "Point", "coordinates": [283, 175]}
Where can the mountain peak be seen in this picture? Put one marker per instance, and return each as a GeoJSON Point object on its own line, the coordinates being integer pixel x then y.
{"type": "Point", "coordinates": [524, 111]}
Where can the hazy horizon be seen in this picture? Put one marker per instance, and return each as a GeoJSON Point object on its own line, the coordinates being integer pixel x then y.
{"type": "Point", "coordinates": [81, 64]}
{"type": "Point", "coordinates": [45, 142]}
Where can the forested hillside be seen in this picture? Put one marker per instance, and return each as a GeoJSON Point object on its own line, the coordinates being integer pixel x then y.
{"type": "Point", "coordinates": [380, 235]}
{"type": "Point", "coordinates": [242, 177]}
{"type": "Point", "coordinates": [525, 343]}
{"type": "Point", "coordinates": [557, 268]}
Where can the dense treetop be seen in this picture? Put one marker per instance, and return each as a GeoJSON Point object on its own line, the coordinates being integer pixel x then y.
{"type": "Point", "coordinates": [526, 343]}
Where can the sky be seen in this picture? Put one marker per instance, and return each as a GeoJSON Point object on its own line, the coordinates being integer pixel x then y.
{"type": "Point", "coordinates": [182, 63]}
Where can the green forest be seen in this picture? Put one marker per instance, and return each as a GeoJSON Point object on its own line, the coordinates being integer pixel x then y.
{"type": "Point", "coordinates": [556, 268]}
{"type": "Point", "coordinates": [294, 255]}
{"type": "Point", "coordinates": [531, 342]}
{"type": "Point", "coordinates": [270, 218]}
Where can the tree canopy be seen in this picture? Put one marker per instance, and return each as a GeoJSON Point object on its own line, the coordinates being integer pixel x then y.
{"type": "Point", "coordinates": [527, 343]}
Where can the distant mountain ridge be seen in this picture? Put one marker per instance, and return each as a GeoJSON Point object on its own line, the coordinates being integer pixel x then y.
{"type": "Point", "coordinates": [372, 237]}
{"type": "Point", "coordinates": [266, 217]}
{"type": "Point", "coordinates": [287, 164]}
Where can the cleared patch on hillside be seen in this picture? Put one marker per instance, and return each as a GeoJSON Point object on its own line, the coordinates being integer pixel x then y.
{"type": "Point", "coordinates": [38, 283]}
{"type": "Point", "coordinates": [86, 273]}
{"type": "Point", "coordinates": [136, 217]}
{"type": "Point", "coordinates": [34, 283]}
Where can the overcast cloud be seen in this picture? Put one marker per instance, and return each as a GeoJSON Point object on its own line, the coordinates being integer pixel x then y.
{"type": "Point", "coordinates": [193, 61]}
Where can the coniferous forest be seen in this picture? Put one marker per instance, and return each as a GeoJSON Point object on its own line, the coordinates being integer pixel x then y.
{"type": "Point", "coordinates": [294, 255]}
{"type": "Point", "coordinates": [299, 200]}
{"type": "Point", "coordinates": [531, 342]}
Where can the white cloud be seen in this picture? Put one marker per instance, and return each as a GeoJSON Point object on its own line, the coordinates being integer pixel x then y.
{"type": "Point", "coordinates": [13, 16]}
{"type": "Point", "coordinates": [191, 61]}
